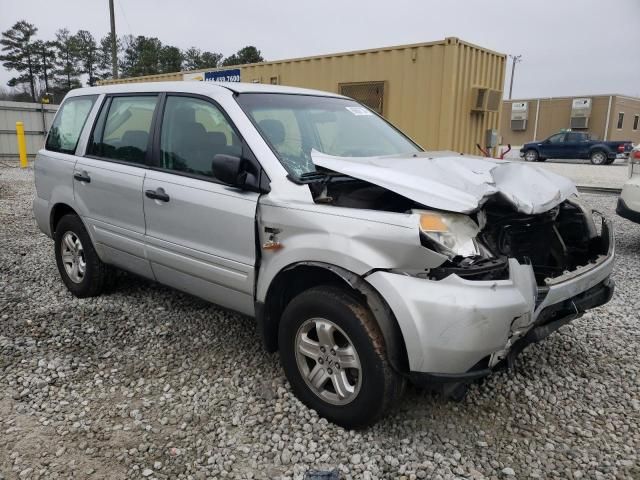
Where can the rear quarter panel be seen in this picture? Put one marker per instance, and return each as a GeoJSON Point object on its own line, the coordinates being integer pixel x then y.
{"type": "Point", "coordinates": [53, 173]}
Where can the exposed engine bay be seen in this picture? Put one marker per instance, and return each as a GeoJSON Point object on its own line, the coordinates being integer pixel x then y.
{"type": "Point", "coordinates": [559, 240]}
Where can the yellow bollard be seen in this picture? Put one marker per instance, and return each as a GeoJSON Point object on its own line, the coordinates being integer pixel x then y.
{"type": "Point", "coordinates": [22, 145]}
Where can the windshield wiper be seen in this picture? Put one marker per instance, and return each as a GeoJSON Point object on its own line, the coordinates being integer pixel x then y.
{"type": "Point", "coordinates": [316, 176]}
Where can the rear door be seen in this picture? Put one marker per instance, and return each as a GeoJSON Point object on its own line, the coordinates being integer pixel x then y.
{"type": "Point", "coordinates": [55, 163]}
{"type": "Point", "coordinates": [576, 145]}
{"type": "Point", "coordinates": [108, 180]}
{"type": "Point", "coordinates": [200, 234]}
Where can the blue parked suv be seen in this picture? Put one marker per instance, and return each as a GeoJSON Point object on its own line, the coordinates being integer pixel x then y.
{"type": "Point", "coordinates": [577, 145]}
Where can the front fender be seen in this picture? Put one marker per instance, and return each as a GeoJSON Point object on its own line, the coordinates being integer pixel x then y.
{"type": "Point", "coordinates": [356, 240]}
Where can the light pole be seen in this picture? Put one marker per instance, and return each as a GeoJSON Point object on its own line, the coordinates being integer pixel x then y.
{"type": "Point", "coordinates": [514, 59]}
{"type": "Point", "coordinates": [114, 42]}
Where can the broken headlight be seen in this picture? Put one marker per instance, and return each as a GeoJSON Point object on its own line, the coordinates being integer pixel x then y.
{"type": "Point", "coordinates": [451, 234]}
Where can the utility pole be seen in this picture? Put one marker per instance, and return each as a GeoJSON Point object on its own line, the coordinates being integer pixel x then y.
{"type": "Point", "coordinates": [114, 42]}
{"type": "Point", "coordinates": [514, 59]}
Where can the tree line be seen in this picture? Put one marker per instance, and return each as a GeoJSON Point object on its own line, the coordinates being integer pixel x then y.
{"type": "Point", "coordinates": [68, 61]}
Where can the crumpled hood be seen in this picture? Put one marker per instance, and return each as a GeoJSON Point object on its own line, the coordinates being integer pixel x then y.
{"type": "Point", "coordinates": [458, 183]}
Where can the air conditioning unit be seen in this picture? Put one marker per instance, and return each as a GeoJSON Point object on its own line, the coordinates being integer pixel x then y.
{"type": "Point", "coordinates": [519, 115]}
{"type": "Point", "coordinates": [580, 113]}
{"type": "Point", "coordinates": [479, 97]}
{"type": "Point", "coordinates": [485, 99]}
{"type": "Point", "coordinates": [579, 122]}
{"type": "Point", "coordinates": [518, 125]}
{"type": "Point", "coordinates": [493, 100]}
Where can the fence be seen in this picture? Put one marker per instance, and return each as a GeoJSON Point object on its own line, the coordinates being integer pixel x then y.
{"type": "Point", "coordinates": [37, 119]}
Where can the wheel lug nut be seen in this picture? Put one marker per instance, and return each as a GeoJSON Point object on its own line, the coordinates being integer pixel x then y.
{"type": "Point", "coordinates": [337, 365]}
{"type": "Point", "coordinates": [320, 361]}
{"type": "Point", "coordinates": [329, 371]}
{"type": "Point", "coordinates": [333, 352]}
{"type": "Point", "coordinates": [322, 349]}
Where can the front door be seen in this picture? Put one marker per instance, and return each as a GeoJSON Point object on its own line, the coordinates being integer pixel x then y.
{"type": "Point", "coordinates": [108, 181]}
{"type": "Point", "coordinates": [200, 234]}
{"type": "Point", "coordinates": [553, 147]}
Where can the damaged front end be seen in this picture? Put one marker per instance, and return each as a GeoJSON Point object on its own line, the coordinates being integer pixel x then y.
{"type": "Point", "coordinates": [554, 243]}
{"type": "Point", "coordinates": [522, 256]}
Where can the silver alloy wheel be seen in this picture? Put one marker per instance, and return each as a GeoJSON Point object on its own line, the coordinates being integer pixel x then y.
{"type": "Point", "coordinates": [530, 156]}
{"type": "Point", "coordinates": [72, 254]}
{"type": "Point", "coordinates": [598, 158]}
{"type": "Point", "coordinates": [328, 361]}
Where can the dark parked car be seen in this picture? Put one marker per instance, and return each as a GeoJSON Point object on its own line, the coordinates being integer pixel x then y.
{"type": "Point", "coordinates": [576, 145]}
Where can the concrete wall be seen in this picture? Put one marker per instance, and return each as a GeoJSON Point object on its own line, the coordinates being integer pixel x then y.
{"type": "Point", "coordinates": [554, 114]}
{"type": "Point", "coordinates": [37, 120]}
{"type": "Point", "coordinates": [428, 86]}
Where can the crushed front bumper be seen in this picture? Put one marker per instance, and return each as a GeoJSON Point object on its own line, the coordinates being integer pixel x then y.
{"type": "Point", "coordinates": [457, 330]}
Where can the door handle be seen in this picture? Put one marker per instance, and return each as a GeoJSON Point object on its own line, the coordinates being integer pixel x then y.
{"type": "Point", "coordinates": [157, 195]}
{"type": "Point", "coordinates": [82, 177]}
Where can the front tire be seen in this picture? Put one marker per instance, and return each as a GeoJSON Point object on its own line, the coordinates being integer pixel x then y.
{"type": "Point", "coordinates": [531, 156]}
{"type": "Point", "coordinates": [334, 356]}
{"type": "Point", "coordinates": [598, 158]}
{"type": "Point", "coordinates": [81, 270]}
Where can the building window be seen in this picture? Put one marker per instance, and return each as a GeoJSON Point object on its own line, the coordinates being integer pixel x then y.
{"type": "Point", "coordinates": [620, 120]}
{"type": "Point", "coordinates": [635, 122]}
{"type": "Point", "coordinates": [370, 94]}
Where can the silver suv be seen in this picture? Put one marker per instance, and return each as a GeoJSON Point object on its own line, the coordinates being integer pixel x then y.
{"type": "Point", "coordinates": [366, 261]}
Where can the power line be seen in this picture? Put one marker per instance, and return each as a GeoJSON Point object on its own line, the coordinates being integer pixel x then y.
{"type": "Point", "coordinates": [125, 17]}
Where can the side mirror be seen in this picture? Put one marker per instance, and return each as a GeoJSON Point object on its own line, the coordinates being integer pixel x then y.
{"type": "Point", "coordinates": [228, 169]}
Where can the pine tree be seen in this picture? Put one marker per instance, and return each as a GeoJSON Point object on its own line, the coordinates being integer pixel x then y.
{"type": "Point", "coordinates": [104, 64]}
{"type": "Point", "coordinates": [249, 54]}
{"type": "Point", "coordinates": [18, 45]}
{"type": "Point", "coordinates": [67, 72]}
{"type": "Point", "coordinates": [88, 55]}
{"type": "Point", "coordinates": [45, 54]}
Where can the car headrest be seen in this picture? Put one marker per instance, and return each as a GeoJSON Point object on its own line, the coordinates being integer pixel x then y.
{"type": "Point", "coordinates": [273, 129]}
{"type": "Point", "coordinates": [183, 115]}
{"type": "Point", "coordinates": [135, 138]}
{"type": "Point", "coordinates": [217, 138]}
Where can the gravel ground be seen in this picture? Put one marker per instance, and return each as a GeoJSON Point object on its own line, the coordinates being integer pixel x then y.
{"type": "Point", "coordinates": [582, 172]}
{"type": "Point", "coordinates": [149, 383]}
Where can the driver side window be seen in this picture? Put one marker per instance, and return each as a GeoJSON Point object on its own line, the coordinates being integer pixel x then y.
{"type": "Point", "coordinates": [557, 138]}
{"type": "Point", "coordinates": [193, 132]}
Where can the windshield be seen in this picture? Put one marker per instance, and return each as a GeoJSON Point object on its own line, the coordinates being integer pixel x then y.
{"type": "Point", "coordinates": [293, 125]}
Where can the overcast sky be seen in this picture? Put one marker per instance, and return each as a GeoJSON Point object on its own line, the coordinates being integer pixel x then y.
{"type": "Point", "coordinates": [569, 47]}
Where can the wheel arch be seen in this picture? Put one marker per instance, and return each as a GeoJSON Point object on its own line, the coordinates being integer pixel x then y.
{"type": "Point", "coordinates": [599, 148]}
{"type": "Point", "coordinates": [532, 149]}
{"type": "Point", "coordinates": [298, 277]}
{"type": "Point", "coordinates": [58, 211]}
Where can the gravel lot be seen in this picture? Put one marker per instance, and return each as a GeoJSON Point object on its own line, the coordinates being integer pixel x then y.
{"type": "Point", "coordinates": [582, 172]}
{"type": "Point", "coordinates": [149, 383]}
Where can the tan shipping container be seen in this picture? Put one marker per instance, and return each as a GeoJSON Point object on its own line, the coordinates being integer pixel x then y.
{"type": "Point", "coordinates": [428, 90]}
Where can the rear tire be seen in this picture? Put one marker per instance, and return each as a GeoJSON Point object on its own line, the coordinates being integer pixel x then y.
{"type": "Point", "coordinates": [598, 157]}
{"type": "Point", "coordinates": [531, 156]}
{"type": "Point", "coordinates": [81, 270]}
{"type": "Point", "coordinates": [334, 356]}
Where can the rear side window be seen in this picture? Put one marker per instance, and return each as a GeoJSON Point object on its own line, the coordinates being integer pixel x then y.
{"type": "Point", "coordinates": [577, 137]}
{"type": "Point", "coordinates": [67, 126]}
{"type": "Point", "coordinates": [193, 132]}
{"type": "Point", "coordinates": [123, 129]}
